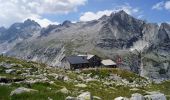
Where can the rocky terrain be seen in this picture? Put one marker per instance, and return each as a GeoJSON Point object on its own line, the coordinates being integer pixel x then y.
{"type": "Point", "coordinates": [142, 46]}
{"type": "Point", "coordinates": [20, 79]}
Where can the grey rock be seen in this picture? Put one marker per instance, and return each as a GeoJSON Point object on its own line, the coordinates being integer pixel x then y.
{"type": "Point", "coordinates": [5, 65]}
{"type": "Point", "coordinates": [70, 98]}
{"type": "Point", "coordinates": [85, 96]}
{"type": "Point", "coordinates": [137, 96]}
{"type": "Point", "coordinates": [21, 90]}
{"type": "Point", "coordinates": [9, 71]}
{"type": "Point", "coordinates": [155, 96]}
{"type": "Point", "coordinates": [64, 90]}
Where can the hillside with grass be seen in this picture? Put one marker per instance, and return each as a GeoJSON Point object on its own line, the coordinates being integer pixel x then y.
{"type": "Point", "coordinates": [26, 80]}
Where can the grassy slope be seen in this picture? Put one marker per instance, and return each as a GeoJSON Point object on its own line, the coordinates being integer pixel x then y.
{"type": "Point", "coordinates": [95, 87]}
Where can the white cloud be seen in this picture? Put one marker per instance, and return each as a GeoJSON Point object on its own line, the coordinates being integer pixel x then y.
{"type": "Point", "coordinates": [44, 22]}
{"type": "Point", "coordinates": [18, 10]}
{"type": "Point", "coordinates": [88, 16]}
{"type": "Point", "coordinates": [162, 5]}
{"type": "Point", "coordinates": [158, 6]}
{"type": "Point", "coordinates": [167, 5]}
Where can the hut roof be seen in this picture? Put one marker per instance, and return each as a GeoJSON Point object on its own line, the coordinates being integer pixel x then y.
{"type": "Point", "coordinates": [76, 60]}
{"type": "Point", "coordinates": [108, 62]}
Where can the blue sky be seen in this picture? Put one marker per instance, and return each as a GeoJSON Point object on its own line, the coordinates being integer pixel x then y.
{"type": "Point", "coordinates": [56, 11]}
{"type": "Point", "coordinates": [144, 6]}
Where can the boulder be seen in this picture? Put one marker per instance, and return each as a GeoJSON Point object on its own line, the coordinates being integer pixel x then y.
{"type": "Point", "coordinates": [70, 98]}
{"type": "Point", "coordinates": [90, 79]}
{"type": "Point", "coordinates": [50, 98]}
{"type": "Point", "coordinates": [5, 65]}
{"type": "Point", "coordinates": [59, 77]}
{"type": "Point", "coordinates": [9, 71]}
{"type": "Point", "coordinates": [21, 90]}
{"type": "Point", "coordinates": [137, 96]}
{"type": "Point", "coordinates": [66, 78]}
{"type": "Point", "coordinates": [155, 96]}
{"type": "Point", "coordinates": [96, 98]}
{"type": "Point", "coordinates": [64, 90]}
{"type": "Point", "coordinates": [85, 96]}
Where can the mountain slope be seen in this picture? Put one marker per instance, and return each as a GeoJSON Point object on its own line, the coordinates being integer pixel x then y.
{"type": "Point", "coordinates": [119, 34]}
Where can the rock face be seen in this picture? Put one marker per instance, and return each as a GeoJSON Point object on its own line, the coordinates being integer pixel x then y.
{"type": "Point", "coordinates": [144, 47]}
{"type": "Point", "coordinates": [20, 30]}
{"type": "Point", "coordinates": [16, 33]}
{"type": "Point", "coordinates": [120, 31]}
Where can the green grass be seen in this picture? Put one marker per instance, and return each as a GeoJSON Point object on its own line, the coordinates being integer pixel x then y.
{"type": "Point", "coordinates": [5, 92]}
{"type": "Point", "coordinates": [105, 72]}
{"type": "Point", "coordinates": [45, 90]}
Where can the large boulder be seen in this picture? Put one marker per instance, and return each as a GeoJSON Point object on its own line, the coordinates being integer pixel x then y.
{"type": "Point", "coordinates": [155, 96]}
{"type": "Point", "coordinates": [9, 71]}
{"type": "Point", "coordinates": [85, 96]}
{"type": "Point", "coordinates": [21, 90]}
{"type": "Point", "coordinates": [137, 96]}
{"type": "Point", "coordinates": [5, 65]}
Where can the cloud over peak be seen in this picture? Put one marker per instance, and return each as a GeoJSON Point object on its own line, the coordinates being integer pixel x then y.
{"type": "Point", "coordinates": [88, 16]}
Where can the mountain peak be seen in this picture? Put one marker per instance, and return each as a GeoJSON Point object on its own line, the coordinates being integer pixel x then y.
{"type": "Point", "coordinates": [66, 23]}
{"type": "Point", "coordinates": [121, 12]}
{"type": "Point", "coordinates": [104, 17]}
{"type": "Point", "coordinates": [29, 22]}
{"type": "Point", "coordinates": [165, 25]}
{"type": "Point", "coordinates": [2, 28]}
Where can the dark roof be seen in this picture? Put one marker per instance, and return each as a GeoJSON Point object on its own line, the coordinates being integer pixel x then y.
{"type": "Point", "coordinates": [76, 60]}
